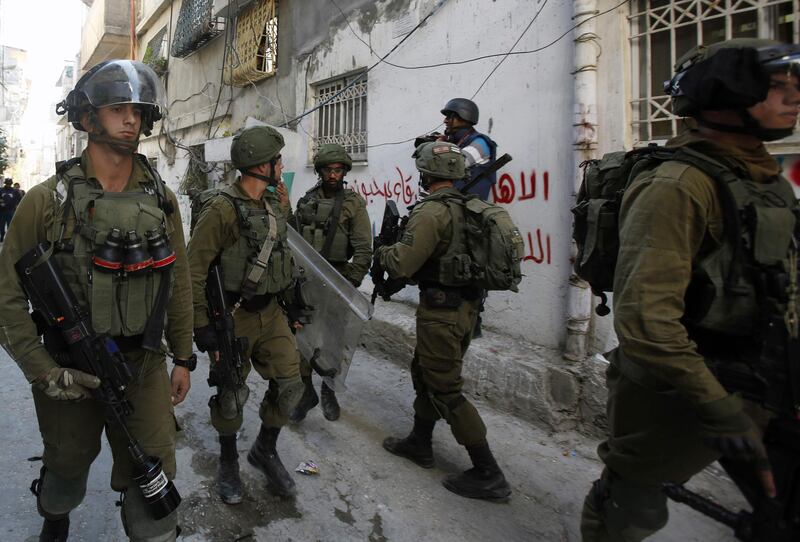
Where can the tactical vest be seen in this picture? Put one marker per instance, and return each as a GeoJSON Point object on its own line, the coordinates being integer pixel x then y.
{"type": "Point", "coordinates": [313, 218]}
{"type": "Point", "coordinates": [238, 259]}
{"type": "Point", "coordinates": [120, 302]}
{"type": "Point", "coordinates": [735, 285]}
{"type": "Point", "coordinates": [476, 170]}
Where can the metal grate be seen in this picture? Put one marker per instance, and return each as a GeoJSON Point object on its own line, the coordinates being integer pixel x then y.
{"type": "Point", "coordinates": [662, 31]}
{"type": "Point", "coordinates": [256, 48]}
{"type": "Point", "coordinates": [195, 27]}
{"type": "Point", "coordinates": [344, 119]}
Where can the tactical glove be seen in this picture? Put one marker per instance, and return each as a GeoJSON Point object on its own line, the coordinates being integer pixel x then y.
{"type": "Point", "coordinates": [206, 338]}
{"type": "Point", "coordinates": [65, 384]}
{"type": "Point", "coordinates": [726, 429]}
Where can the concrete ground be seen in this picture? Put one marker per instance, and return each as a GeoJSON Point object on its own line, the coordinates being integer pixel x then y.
{"type": "Point", "coordinates": [362, 492]}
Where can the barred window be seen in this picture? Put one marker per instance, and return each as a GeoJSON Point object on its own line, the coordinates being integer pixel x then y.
{"type": "Point", "coordinates": [255, 51]}
{"type": "Point", "coordinates": [662, 31]}
{"type": "Point", "coordinates": [342, 117]}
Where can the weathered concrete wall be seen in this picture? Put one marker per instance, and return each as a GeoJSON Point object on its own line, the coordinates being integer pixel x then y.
{"type": "Point", "coordinates": [525, 106]}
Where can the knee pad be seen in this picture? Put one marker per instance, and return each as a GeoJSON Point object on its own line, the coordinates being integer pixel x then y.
{"type": "Point", "coordinates": [139, 525]}
{"type": "Point", "coordinates": [57, 496]}
{"type": "Point", "coordinates": [290, 391]}
{"type": "Point", "coordinates": [231, 402]}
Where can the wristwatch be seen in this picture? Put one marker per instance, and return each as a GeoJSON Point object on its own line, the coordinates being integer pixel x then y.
{"type": "Point", "coordinates": [190, 363]}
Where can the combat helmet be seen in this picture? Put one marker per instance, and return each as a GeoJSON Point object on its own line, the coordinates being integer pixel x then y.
{"type": "Point", "coordinates": [255, 146]}
{"type": "Point", "coordinates": [116, 82]}
{"type": "Point", "coordinates": [464, 108]}
{"type": "Point", "coordinates": [731, 75]}
{"type": "Point", "coordinates": [440, 160]}
{"type": "Point", "coordinates": [331, 153]}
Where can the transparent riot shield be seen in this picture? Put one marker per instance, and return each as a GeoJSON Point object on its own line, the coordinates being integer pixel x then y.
{"type": "Point", "coordinates": [338, 316]}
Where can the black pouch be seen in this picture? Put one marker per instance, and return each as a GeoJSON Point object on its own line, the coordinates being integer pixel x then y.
{"type": "Point", "coordinates": [438, 298]}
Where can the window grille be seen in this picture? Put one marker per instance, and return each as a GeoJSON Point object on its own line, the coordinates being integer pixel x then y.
{"type": "Point", "coordinates": [196, 26]}
{"type": "Point", "coordinates": [343, 120]}
{"type": "Point", "coordinates": [662, 31]}
{"type": "Point", "coordinates": [255, 51]}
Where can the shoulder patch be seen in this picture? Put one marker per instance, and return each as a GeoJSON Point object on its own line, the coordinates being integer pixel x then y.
{"type": "Point", "coordinates": [407, 239]}
{"type": "Point", "coordinates": [443, 149]}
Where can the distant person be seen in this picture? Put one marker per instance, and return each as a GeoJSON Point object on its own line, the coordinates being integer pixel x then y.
{"type": "Point", "coordinates": [9, 199]}
{"type": "Point", "coordinates": [19, 189]}
{"type": "Point", "coordinates": [480, 151]}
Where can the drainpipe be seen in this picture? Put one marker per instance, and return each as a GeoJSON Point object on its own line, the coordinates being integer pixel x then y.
{"type": "Point", "coordinates": [579, 296]}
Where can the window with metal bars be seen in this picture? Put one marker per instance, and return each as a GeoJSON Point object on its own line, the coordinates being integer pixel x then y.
{"type": "Point", "coordinates": [662, 31]}
{"type": "Point", "coordinates": [155, 55]}
{"type": "Point", "coordinates": [256, 43]}
{"type": "Point", "coordinates": [342, 114]}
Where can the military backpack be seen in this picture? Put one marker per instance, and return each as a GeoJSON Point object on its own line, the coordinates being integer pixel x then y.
{"type": "Point", "coordinates": [487, 248]}
{"type": "Point", "coordinates": [596, 213]}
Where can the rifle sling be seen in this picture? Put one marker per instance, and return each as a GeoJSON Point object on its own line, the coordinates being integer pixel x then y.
{"type": "Point", "coordinates": [333, 223]}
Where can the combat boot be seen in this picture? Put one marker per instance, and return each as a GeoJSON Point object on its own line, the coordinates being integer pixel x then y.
{"type": "Point", "coordinates": [417, 446]}
{"type": "Point", "coordinates": [54, 530]}
{"type": "Point", "coordinates": [264, 456]}
{"type": "Point", "coordinates": [484, 480]}
{"type": "Point", "coordinates": [229, 483]}
{"type": "Point", "coordinates": [330, 406]}
{"type": "Point", "coordinates": [308, 401]}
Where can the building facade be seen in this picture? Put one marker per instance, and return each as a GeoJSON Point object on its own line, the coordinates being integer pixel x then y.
{"type": "Point", "coordinates": [556, 82]}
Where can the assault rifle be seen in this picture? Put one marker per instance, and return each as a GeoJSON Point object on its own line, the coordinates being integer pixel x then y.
{"type": "Point", "coordinates": [76, 345]}
{"type": "Point", "coordinates": [227, 372]}
{"type": "Point", "coordinates": [776, 386]}
{"type": "Point", "coordinates": [392, 228]}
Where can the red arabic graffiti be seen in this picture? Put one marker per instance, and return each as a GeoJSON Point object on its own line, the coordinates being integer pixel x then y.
{"type": "Point", "coordinates": [506, 190]}
{"type": "Point", "coordinates": [397, 189]}
{"type": "Point", "coordinates": [538, 248]}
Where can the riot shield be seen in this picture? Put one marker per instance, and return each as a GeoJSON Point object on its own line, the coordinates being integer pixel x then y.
{"type": "Point", "coordinates": [338, 315]}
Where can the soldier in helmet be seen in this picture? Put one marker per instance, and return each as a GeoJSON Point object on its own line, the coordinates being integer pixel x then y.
{"type": "Point", "coordinates": [480, 152]}
{"type": "Point", "coordinates": [108, 187]}
{"type": "Point", "coordinates": [335, 222]}
{"type": "Point", "coordinates": [445, 319]}
{"type": "Point", "coordinates": [704, 288]}
{"type": "Point", "coordinates": [233, 229]}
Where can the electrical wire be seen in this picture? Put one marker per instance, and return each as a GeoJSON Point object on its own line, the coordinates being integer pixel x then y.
{"type": "Point", "coordinates": [530, 24]}
{"type": "Point", "coordinates": [365, 72]}
{"type": "Point", "coordinates": [510, 53]}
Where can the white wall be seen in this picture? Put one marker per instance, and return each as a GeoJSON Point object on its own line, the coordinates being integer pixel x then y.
{"type": "Point", "coordinates": [526, 107]}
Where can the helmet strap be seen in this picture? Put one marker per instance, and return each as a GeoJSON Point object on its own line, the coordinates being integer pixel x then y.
{"type": "Point", "coordinates": [750, 126]}
{"type": "Point", "coordinates": [271, 181]}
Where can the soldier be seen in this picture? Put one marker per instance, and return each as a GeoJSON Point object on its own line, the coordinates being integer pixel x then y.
{"type": "Point", "coordinates": [233, 229]}
{"type": "Point", "coordinates": [9, 199]}
{"type": "Point", "coordinates": [107, 187]}
{"type": "Point", "coordinates": [690, 296]}
{"type": "Point", "coordinates": [335, 222]}
{"type": "Point", "coordinates": [480, 152]}
{"type": "Point", "coordinates": [445, 319]}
